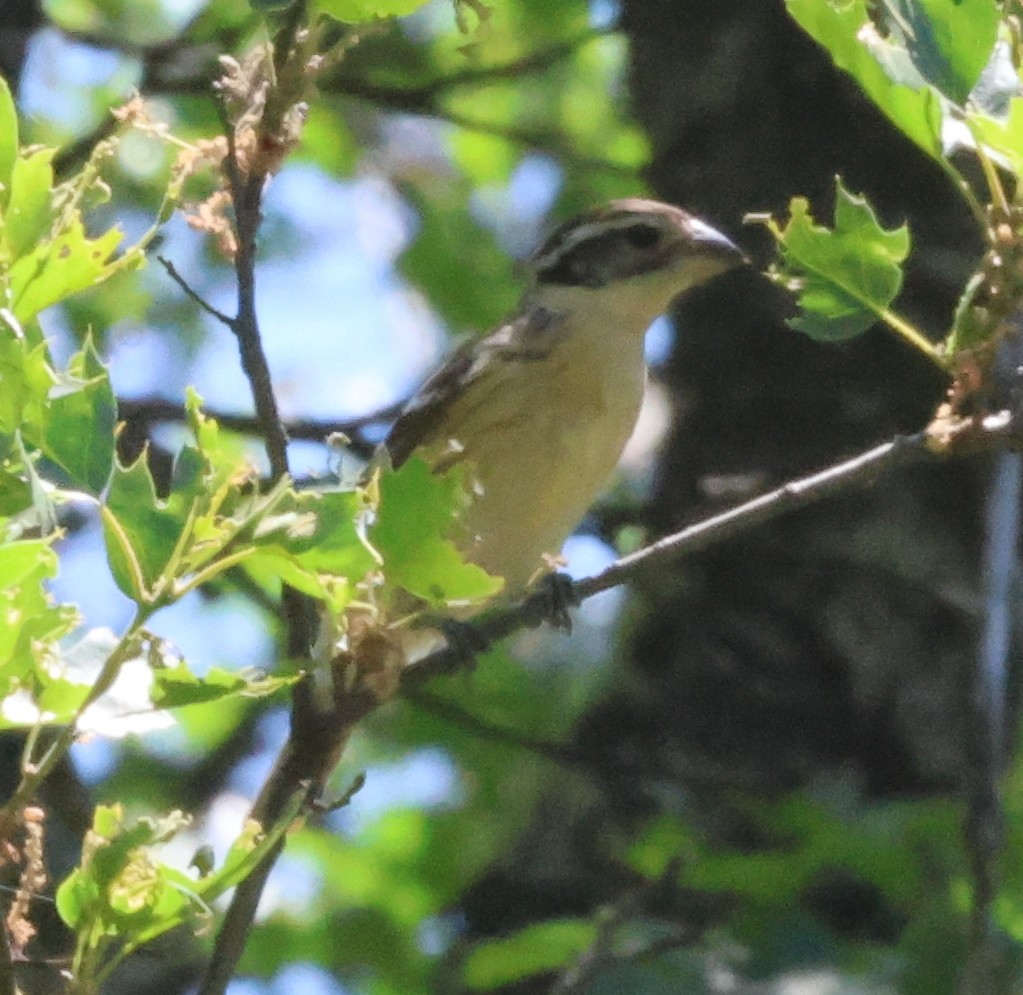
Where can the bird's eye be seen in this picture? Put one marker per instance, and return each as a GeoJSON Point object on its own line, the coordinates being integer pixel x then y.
{"type": "Point", "coordinates": [642, 236]}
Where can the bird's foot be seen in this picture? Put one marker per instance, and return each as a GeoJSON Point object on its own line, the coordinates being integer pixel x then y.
{"type": "Point", "coordinates": [463, 638]}
{"type": "Point", "coordinates": [553, 596]}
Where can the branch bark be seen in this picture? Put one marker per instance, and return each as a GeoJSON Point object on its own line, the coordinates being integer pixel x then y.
{"type": "Point", "coordinates": [534, 608]}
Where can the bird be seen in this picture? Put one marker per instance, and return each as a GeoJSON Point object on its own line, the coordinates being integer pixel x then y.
{"type": "Point", "coordinates": [537, 411]}
{"type": "Point", "coordinates": [540, 408]}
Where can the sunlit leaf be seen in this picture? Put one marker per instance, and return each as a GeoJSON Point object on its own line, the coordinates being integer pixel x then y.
{"type": "Point", "coordinates": [78, 433]}
{"type": "Point", "coordinates": [1003, 135]}
{"type": "Point", "coordinates": [141, 531]}
{"type": "Point", "coordinates": [416, 516]}
{"type": "Point", "coordinates": [949, 41]}
{"type": "Point", "coordinates": [356, 11]}
{"type": "Point", "coordinates": [119, 889]}
{"type": "Point", "coordinates": [177, 686]}
{"type": "Point", "coordinates": [314, 542]}
{"type": "Point", "coordinates": [8, 142]}
{"type": "Point", "coordinates": [29, 217]}
{"type": "Point", "coordinates": [32, 622]}
{"type": "Point", "coordinates": [55, 269]}
{"type": "Point", "coordinates": [844, 277]}
{"type": "Point", "coordinates": [332, 541]}
{"type": "Point", "coordinates": [27, 381]}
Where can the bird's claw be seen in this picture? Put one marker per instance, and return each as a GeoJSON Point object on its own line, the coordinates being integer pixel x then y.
{"type": "Point", "coordinates": [463, 639]}
{"type": "Point", "coordinates": [554, 594]}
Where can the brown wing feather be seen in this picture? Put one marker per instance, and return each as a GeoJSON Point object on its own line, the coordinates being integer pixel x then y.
{"type": "Point", "coordinates": [529, 336]}
{"type": "Point", "coordinates": [427, 407]}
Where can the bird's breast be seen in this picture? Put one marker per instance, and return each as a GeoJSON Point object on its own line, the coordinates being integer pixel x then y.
{"type": "Point", "coordinates": [553, 445]}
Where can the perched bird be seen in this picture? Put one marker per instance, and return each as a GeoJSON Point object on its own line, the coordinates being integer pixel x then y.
{"type": "Point", "coordinates": [538, 412]}
{"type": "Point", "coordinates": [541, 408]}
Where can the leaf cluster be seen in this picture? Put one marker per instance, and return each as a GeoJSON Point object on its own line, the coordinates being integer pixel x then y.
{"type": "Point", "coordinates": [947, 76]}
{"type": "Point", "coordinates": [215, 524]}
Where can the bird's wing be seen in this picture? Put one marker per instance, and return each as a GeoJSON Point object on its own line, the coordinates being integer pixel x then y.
{"type": "Point", "coordinates": [529, 336]}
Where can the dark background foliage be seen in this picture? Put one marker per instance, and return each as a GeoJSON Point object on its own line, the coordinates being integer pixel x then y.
{"type": "Point", "coordinates": [783, 722]}
{"type": "Point", "coordinates": [835, 646]}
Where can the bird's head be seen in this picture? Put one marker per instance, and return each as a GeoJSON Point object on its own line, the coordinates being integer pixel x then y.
{"type": "Point", "coordinates": [644, 253]}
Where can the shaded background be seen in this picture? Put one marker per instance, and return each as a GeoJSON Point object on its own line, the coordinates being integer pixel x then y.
{"type": "Point", "coordinates": [779, 722]}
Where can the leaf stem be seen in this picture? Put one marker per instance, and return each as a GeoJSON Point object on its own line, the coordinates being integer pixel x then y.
{"type": "Point", "coordinates": [914, 337]}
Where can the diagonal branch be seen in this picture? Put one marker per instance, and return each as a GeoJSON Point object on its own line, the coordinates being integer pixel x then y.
{"type": "Point", "coordinates": [186, 287]}
{"type": "Point", "coordinates": [534, 608]}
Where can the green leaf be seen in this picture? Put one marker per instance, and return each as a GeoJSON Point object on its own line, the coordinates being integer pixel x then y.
{"type": "Point", "coordinates": [357, 11]}
{"type": "Point", "coordinates": [215, 458]}
{"type": "Point", "coordinates": [15, 494]}
{"type": "Point", "coordinates": [845, 277]}
{"type": "Point", "coordinates": [119, 891]}
{"type": "Point", "coordinates": [543, 947]}
{"type": "Point", "coordinates": [140, 530]}
{"type": "Point", "coordinates": [29, 216]}
{"type": "Point", "coordinates": [1002, 135]}
{"type": "Point", "coordinates": [246, 851]}
{"type": "Point", "coordinates": [32, 623]}
{"type": "Point", "coordinates": [334, 544]}
{"type": "Point", "coordinates": [8, 141]}
{"type": "Point", "coordinates": [485, 159]}
{"type": "Point", "coordinates": [973, 324]}
{"type": "Point", "coordinates": [949, 41]}
{"type": "Point", "coordinates": [837, 25]}
{"type": "Point", "coordinates": [449, 245]}
{"type": "Point", "coordinates": [27, 380]}
{"type": "Point", "coordinates": [315, 542]}
{"type": "Point", "coordinates": [176, 687]}
{"type": "Point", "coordinates": [80, 418]}
{"type": "Point", "coordinates": [57, 269]}
{"type": "Point", "coordinates": [417, 512]}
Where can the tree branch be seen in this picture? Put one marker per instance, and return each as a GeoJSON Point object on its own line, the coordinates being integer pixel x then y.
{"type": "Point", "coordinates": [988, 727]}
{"type": "Point", "coordinates": [246, 184]}
{"type": "Point", "coordinates": [142, 412]}
{"type": "Point", "coordinates": [603, 951]}
{"type": "Point", "coordinates": [534, 609]}
{"type": "Point", "coordinates": [173, 273]}
{"type": "Point", "coordinates": [418, 101]}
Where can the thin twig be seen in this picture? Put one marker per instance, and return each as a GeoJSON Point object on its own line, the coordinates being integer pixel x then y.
{"type": "Point", "coordinates": [577, 977]}
{"type": "Point", "coordinates": [413, 102]}
{"type": "Point", "coordinates": [145, 411]}
{"type": "Point", "coordinates": [568, 756]}
{"type": "Point", "coordinates": [246, 194]}
{"type": "Point", "coordinates": [422, 96]}
{"type": "Point", "coordinates": [534, 608]}
{"type": "Point", "coordinates": [172, 272]}
{"type": "Point", "coordinates": [451, 712]}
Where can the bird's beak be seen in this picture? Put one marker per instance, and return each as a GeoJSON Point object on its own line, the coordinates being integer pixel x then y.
{"type": "Point", "coordinates": [709, 242]}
